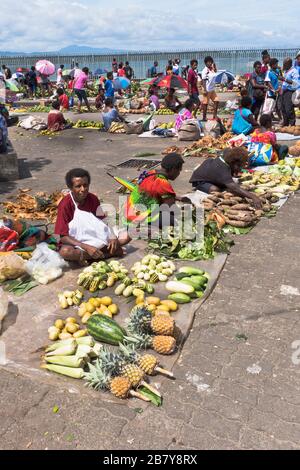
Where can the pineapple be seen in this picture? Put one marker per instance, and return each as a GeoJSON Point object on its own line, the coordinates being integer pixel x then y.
{"type": "Point", "coordinates": [163, 325]}
{"type": "Point", "coordinates": [134, 374]}
{"type": "Point", "coordinates": [160, 344]}
{"type": "Point", "coordinates": [163, 344]}
{"type": "Point", "coordinates": [150, 365]}
{"type": "Point", "coordinates": [120, 387]}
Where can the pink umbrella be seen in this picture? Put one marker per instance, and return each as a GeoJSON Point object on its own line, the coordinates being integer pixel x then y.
{"type": "Point", "coordinates": [45, 67]}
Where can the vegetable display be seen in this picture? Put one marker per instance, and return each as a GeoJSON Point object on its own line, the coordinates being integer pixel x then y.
{"type": "Point", "coordinates": [100, 275]}
{"type": "Point", "coordinates": [153, 268]}
{"type": "Point", "coordinates": [177, 246]}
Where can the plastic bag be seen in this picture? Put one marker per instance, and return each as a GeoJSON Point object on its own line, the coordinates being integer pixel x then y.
{"type": "Point", "coordinates": [12, 266]}
{"type": "Point", "coordinates": [45, 265]}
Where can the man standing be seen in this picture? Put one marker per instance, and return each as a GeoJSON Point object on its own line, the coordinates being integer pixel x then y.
{"type": "Point", "coordinates": [109, 87]}
{"type": "Point", "coordinates": [60, 80]}
{"type": "Point", "coordinates": [31, 81]}
{"type": "Point", "coordinates": [176, 67]}
{"type": "Point", "coordinates": [79, 87]}
{"type": "Point", "coordinates": [193, 85]}
{"type": "Point", "coordinates": [290, 85]}
{"type": "Point", "coordinates": [153, 70]}
{"type": "Point", "coordinates": [7, 72]}
{"type": "Point", "coordinates": [208, 80]}
{"type": "Point", "coordinates": [128, 71]}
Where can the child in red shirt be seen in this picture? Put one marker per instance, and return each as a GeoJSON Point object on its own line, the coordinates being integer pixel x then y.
{"type": "Point", "coordinates": [63, 99]}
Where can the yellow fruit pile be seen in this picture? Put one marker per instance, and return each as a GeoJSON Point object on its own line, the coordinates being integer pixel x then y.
{"type": "Point", "coordinates": [65, 329]}
{"type": "Point", "coordinates": [155, 304]}
{"type": "Point", "coordinates": [96, 305]}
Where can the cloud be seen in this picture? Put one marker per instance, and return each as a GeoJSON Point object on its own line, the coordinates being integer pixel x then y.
{"type": "Point", "coordinates": [51, 25]}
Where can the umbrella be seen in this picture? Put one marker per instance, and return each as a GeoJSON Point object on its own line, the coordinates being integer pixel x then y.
{"type": "Point", "coordinates": [100, 71]}
{"type": "Point", "coordinates": [17, 75]}
{"type": "Point", "coordinates": [11, 85]}
{"type": "Point", "coordinates": [121, 83]}
{"type": "Point", "coordinates": [126, 184]}
{"type": "Point", "coordinates": [45, 67]}
{"type": "Point", "coordinates": [147, 81]}
{"type": "Point", "coordinates": [223, 77]}
{"type": "Point", "coordinates": [170, 81]}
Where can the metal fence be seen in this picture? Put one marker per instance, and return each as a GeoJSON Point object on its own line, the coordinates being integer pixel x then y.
{"type": "Point", "coordinates": [237, 60]}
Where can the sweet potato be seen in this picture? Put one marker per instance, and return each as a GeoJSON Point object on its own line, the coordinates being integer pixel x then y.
{"type": "Point", "coordinates": [242, 207]}
{"type": "Point", "coordinates": [238, 223]}
{"type": "Point", "coordinates": [241, 217]}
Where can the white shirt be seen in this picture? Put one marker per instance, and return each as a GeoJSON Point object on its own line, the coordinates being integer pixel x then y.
{"type": "Point", "coordinates": [59, 76]}
{"type": "Point", "coordinates": [209, 77]}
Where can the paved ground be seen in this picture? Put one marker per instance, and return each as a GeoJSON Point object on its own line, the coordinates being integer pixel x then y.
{"type": "Point", "coordinates": [237, 386]}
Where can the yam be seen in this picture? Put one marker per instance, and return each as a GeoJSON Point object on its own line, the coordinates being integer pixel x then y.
{"type": "Point", "coordinates": [226, 202]}
{"type": "Point", "coordinates": [213, 198]}
{"type": "Point", "coordinates": [238, 223]}
{"type": "Point", "coordinates": [242, 207]}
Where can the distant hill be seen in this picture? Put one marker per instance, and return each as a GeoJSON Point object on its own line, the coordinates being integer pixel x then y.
{"type": "Point", "coordinates": [69, 50]}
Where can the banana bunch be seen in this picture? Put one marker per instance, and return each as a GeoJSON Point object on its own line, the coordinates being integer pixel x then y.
{"type": "Point", "coordinates": [166, 125]}
{"type": "Point", "coordinates": [164, 112]}
{"type": "Point", "coordinates": [39, 109]}
{"type": "Point", "coordinates": [69, 298]}
{"type": "Point", "coordinates": [116, 128]}
{"type": "Point", "coordinates": [80, 124]}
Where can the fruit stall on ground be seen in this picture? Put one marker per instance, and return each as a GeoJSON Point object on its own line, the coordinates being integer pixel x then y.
{"type": "Point", "coordinates": [118, 327]}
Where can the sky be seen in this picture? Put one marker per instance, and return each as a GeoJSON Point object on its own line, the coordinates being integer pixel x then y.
{"type": "Point", "coordinates": [47, 25]}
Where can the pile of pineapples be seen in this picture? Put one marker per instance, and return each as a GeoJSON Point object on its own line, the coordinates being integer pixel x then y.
{"type": "Point", "coordinates": [123, 373]}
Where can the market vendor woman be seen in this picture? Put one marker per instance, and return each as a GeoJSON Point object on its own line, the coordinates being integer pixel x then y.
{"type": "Point", "coordinates": [83, 235]}
{"type": "Point", "coordinates": [154, 190]}
{"type": "Point", "coordinates": [217, 174]}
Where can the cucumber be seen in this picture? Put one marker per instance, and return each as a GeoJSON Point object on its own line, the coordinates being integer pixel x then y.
{"type": "Point", "coordinates": [177, 286]}
{"type": "Point", "coordinates": [180, 298]}
{"type": "Point", "coordinates": [201, 280]}
{"type": "Point", "coordinates": [104, 329]}
{"type": "Point", "coordinates": [191, 282]}
{"type": "Point", "coordinates": [191, 271]}
{"type": "Point", "coordinates": [180, 276]}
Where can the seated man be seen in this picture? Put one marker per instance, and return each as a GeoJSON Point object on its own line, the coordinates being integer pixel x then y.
{"type": "Point", "coordinates": [172, 102]}
{"type": "Point", "coordinates": [83, 235]}
{"type": "Point", "coordinates": [217, 174]}
{"type": "Point", "coordinates": [110, 114]}
{"type": "Point", "coordinates": [56, 120]}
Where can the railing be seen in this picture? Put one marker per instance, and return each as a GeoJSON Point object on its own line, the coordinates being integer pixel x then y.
{"type": "Point", "coordinates": [237, 60]}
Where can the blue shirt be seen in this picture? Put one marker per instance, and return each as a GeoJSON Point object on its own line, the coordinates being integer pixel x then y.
{"type": "Point", "coordinates": [240, 124]}
{"type": "Point", "coordinates": [109, 89]}
{"type": "Point", "coordinates": [108, 118]}
{"type": "Point", "coordinates": [292, 75]}
{"type": "Point", "coordinates": [272, 77]}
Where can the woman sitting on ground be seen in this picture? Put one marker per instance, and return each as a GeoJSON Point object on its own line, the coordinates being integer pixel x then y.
{"type": "Point", "coordinates": [244, 122]}
{"type": "Point", "coordinates": [56, 120]}
{"type": "Point", "coordinates": [144, 205]}
{"type": "Point", "coordinates": [172, 102]}
{"type": "Point", "coordinates": [83, 236]}
{"type": "Point", "coordinates": [110, 114]}
{"type": "Point", "coordinates": [185, 113]}
{"type": "Point", "coordinates": [216, 174]}
{"type": "Point", "coordinates": [265, 134]}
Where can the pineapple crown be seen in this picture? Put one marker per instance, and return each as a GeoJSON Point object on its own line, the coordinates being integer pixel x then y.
{"type": "Point", "coordinates": [111, 362]}
{"type": "Point", "coordinates": [140, 341]}
{"type": "Point", "coordinates": [97, 378]}
{"type": "Point", "coordinates": [140, 321]}
{"type": "Point", "coordinates": [128, 353]}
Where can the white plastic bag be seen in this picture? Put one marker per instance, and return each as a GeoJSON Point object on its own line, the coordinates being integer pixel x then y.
{"type": "Point", "coordinates": [45, 265]}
